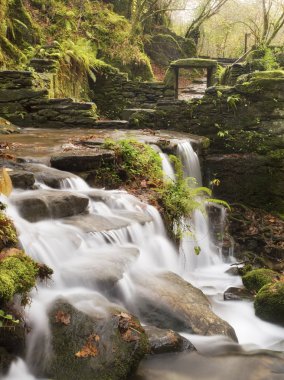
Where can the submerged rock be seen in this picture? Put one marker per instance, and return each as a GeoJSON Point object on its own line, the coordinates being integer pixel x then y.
{"type": "Point", "coordinates": [237, 294]}
{"type": "Point", "coordinates": [49, 176]}
{"type": "Point", "coordinates": [168, 301]}
{"type": "Point", "coordinates": [162, 341]}
{"type": "Point", "coordinates": [99, 268]}
{"type": "Point", "coordinates": [44, 204]}
{"type": "Point", "coordinates": [94, 346]}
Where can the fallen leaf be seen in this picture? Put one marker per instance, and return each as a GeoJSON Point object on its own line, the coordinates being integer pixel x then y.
{"type": "Point", "coordinates": [6, 186]}
{"type": "Point", "coordinates": [63, 318]}
{"type": "Point", "coordinates": [89, 349]}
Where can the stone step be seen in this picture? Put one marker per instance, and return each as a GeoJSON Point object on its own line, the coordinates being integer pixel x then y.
{"type": "Point", "coordinates": [82, 161]}
{"type": "Point", "coordinates": [111, 124]}
{"type": "Point", "coordinates": [128, 112]}
{"type": "Point", "coordinates": [38, 205]}
{"type": "Point", "coordinates": [96, 223]}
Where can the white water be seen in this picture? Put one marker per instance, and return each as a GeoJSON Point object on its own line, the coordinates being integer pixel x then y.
{"type": "Point", "coordinates": [76, 257]}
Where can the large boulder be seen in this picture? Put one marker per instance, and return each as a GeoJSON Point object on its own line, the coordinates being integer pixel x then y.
{"type": "Point", "coordinates": [168, 301]}
{"type": "Point", "coordinates": [95, 346]}
{"type": "Point", "coordinates": [45, 204]}
{"type": "Point", "coordinates": [269, 303]}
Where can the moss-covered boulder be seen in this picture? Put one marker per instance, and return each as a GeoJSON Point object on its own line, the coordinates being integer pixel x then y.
{"type": "Point", "coordinates": [94, 346]}
{"type": "Point", "coordinates": [269, 303]}
{"type": "Point", "coordinates": [18, 274]}
{"type": "Point", "coordinates": [256, 279]}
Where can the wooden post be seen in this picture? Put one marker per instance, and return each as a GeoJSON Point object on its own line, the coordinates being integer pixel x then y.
{"type": "Point", "coordinates": [176, 81]}
{"type": "Point", "coordinates": [209, 72]}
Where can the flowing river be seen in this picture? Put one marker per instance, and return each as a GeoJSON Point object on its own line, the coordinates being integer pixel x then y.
{"type": "Point", "coordinates": [140, 248]}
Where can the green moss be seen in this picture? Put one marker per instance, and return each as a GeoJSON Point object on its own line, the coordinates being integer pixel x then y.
{"type": "Point", "coordinates": [18, 275]}
{"type": "Point", "coordinates": [257, 278]}
{"type": "Point", "coordinates": [268, 74]}
{"type": "Point", "coordinates": [8, 235]}
{"type": "Point", "coordinates": [195, 62]}
{"type": "Point", "coordinates": [269, 303]}
{"type": "Point", "coordinates": [7, 286]}
{"type": "Point", "coordinates": [170, 78]}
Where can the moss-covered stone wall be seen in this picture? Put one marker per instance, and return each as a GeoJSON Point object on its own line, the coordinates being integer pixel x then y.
{"type": "Point", "coordinates": [113, 92]}
{"type": "Point", "coordinates": [25, 100]}
{"type": "Point", "coordinates": [245, 126]}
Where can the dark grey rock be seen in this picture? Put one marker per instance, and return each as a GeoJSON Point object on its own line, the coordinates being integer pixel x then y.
{"type": "Point", "coordinates": [82, 161]}
{"type": "Point", "coordinates": [237, 294]}
{"type": "Point", "coordinates": [22, 179]}
{"type": "Point", "coordinates": [163, 341]}
{"type": "Point", "coordinates": [45, 204]}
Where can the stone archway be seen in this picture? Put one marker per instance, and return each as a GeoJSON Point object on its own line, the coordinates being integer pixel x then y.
{"type": "Point", "coordinates": [194, 63]}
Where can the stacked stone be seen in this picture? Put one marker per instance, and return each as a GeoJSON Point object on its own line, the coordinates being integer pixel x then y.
{"type": "Point", "coordinates": [25, 102]}
{"type": "Point", "coordinates": [114, 92]}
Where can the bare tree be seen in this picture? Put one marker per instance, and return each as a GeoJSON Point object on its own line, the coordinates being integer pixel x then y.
{"type": "Point", "coordinates": [143, 10]}
{"type": "Point", "coordinates": [273, 20]}
{"type": "Point", "coordinates": [206, 10]}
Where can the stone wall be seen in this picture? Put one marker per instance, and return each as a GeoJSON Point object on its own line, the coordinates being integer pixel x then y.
{"type": "Point", "coordinates": [25, 100]}
{"type": "Point", "coordinates": [113, 92]}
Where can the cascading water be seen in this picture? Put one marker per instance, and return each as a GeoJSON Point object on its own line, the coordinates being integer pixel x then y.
{"type": "Point", "coordinates": [137, 248]}
{"type": "Point", "coordinates": [207, 270]}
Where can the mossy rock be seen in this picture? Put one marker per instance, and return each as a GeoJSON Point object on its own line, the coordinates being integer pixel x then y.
{"type": "Point", "coordinates": [17, 275]}
{"type": "Point", "coordinates": [195, 62]}
{"type": "Point", "coordinates": [269, 303]}
{"type": "Point", "coordinates": [8, 235]}
{"type": "Point", "coordinates": [256, 279]}
{"type": "Point", "coordinates": [99, 346]}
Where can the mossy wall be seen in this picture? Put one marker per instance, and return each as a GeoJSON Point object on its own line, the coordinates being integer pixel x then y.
{"type": "Point", "coordinates": [113, 92]}
{"type": "Point", "coordinates": [245, 127]}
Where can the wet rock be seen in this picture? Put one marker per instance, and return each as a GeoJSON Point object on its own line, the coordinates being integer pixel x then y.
{"type": "Point", "coordinates": [237, 294]}
{"type": "Point", "coordinates": [94, 345]}
{"type": "Point", "coordinates": [45, 204]}
{"type": "Point", "coordinates": [96, 223]}
{"type": "Point", "coordinates": [100, 269]}
{"type": "Point", "coordinates": [6, 127]}
{"type": "Point", "coordinates": [22, 179]}
{"type": "Point", "coordinates": [168, 301]}
{"type": "Point", "coordinates": [12, 344]}
{"type": "Point", "coordinates": [234, 271]}
{"type": "Point", "coordinates": [81, 162]}
{"type": "Point", "coordinates": [49, 176]}
{"type": "Point", "coordinates": [162, 341]}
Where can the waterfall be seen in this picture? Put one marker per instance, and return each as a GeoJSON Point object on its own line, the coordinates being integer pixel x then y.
{"type": "Point", "coordinates": [139, 247]}
{"type": "Point", "coordinates": [190, 161]}
{"type": "Point", "coordinates": [207, 270]}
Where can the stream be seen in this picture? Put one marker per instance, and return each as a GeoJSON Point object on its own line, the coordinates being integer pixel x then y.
{"type": "Point", "coordinates": [142, 249]}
